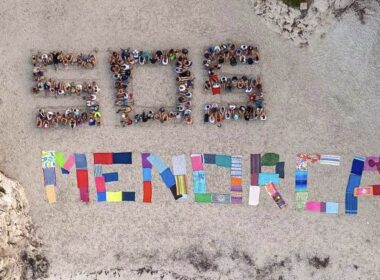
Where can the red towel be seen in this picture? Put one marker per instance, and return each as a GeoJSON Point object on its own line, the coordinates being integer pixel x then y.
{"type": "Point", "coordinates": [82, 179]}
{"type": "Point", "coordinates": [84, 195]}
{"type": "Point", "coordinates": [100, 184]}
{"type": "Point", "coordinates": [147, 191]}
{"type": "Point", "coordinates": [376, 189]}
{"type": "Point", "coordinates": [103, 158]}
{"type": "Point", "coordinates": [215, 90]}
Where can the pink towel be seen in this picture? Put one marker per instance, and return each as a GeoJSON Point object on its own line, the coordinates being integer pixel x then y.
{"type": "Point", "coordinates": [69, 162]}
{"type": "Point", "coordinates": [314, 206]}
{"type": "Point", "coordinates": [196, 162]}
{"type": "Point", "coordinates": [100, 184]}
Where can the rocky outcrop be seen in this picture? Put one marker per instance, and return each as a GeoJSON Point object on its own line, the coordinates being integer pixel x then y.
{"type": "Point", "coordinates": [299, 25]}
{"type": "Point", "coordinates": [21, 256]}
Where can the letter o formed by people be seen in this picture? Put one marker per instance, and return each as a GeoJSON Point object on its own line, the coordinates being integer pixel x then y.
{"type": "Point", "coordinates": [122, 64]}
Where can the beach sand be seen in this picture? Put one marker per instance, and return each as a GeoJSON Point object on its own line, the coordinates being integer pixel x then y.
{"type": "Point", "coordinates": [323, 98]}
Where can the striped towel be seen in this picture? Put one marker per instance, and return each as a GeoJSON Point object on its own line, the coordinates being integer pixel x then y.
{"type": "Point", "coordinates": [236, 181]}
{"type": "Point", "coordinates": [221, 198]}
{"type": "Point", "coordinates": [236, 166]}
{"type": "Point", "coordinates": [98, 170]}
{"type": "Point", "coordinates": [181, 184]}
{"type": "Point", "coordinates": [330, 160]}
{"type": "Point", "coordinates": [301, 199]}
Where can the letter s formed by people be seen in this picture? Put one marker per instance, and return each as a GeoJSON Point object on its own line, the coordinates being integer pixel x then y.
{"type": "Point", "coordinates": [214, 57]}
{"type": "Point", "coordinates": [71, 116]}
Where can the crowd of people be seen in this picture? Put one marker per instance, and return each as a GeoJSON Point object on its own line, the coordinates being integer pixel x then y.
{"type": "Point", "coordinates": [86, 90]}
{"type": "Point", "coordinates": [215, 113]}
{"type": "Point", "coordinates": [71, 117]}
{"type": "Point", "coordinates": [51, 87]}
{"type": "Point", "coordinates": [214, 58]}
{"type": "Point", "coordinates": [122, 63]}
{"type": "Point", "coordinates": [58, 58]}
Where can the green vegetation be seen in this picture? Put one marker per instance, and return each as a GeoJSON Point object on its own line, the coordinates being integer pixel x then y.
{"type": "Point", "coordinates": [293, 3]}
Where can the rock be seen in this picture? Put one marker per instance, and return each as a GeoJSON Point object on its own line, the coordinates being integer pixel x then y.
{"type": "Point", "coordinates": [288, 27]}
{"type": "Point", "coordinates": [323, 5]}
{"type": "Point", "coordinates": [280, 21]}
{"type": "Point", "coordinates": [296, 30]}
{"type": "Point", "coordinates": [294, 25]}
{"type": "Point", "coordinates": [22, 256]}
{"type": "Point", "coordinates": [286, 35]}
{"type": "Point", "coordinates": [342, 4]}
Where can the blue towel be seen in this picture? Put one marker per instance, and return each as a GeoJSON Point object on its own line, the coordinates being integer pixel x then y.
{"type": "Point", "coordinates": [352, 201]}
{"type": "Point", "coordinates": [280, 169]}
{"type": "Point", "coordinates": [147, 174]}
{"type": "Point", "coordinates": [102, 196]}
{"type": "Point", "coordinates": [128, 196]}
{"type": "Point", "coordinates": [122, 158]}
{"type": "Point", "coordinates": [64, 171]}
{"type": "Point", "coordinates": [111, 177]}
{"type": "Point", "coordinates": [209, 158]}
{"type": "Point", "coordinates": [80, 161]}
{"type": "Point", "coordinates": [357, 165]}
{"type": "Point", "coordinates": [332, 207]}
{"type": "Point", "coordinates": [199, 178]}
{"type": "Point", "coordinates": [168, 178]}
{"type": "Point", "coordinates": [49, 176]}
{"type": "Point", "coordinates": [157, 163]}
{"type": "Point", "coordinates": [266, 178]}
{"type": "Point", "coordinates": [301, 180]}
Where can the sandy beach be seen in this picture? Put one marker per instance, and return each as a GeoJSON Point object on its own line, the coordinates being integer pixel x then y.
{"type": "Point", "coordinates": [320, 99]}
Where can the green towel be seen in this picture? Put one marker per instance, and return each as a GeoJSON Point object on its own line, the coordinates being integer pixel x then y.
{"type": "Point", "coordinates": [60, 159]}
{"type": "Point", "coordinates": [203, 197]}
{"type": "Point", "coordinates": [269, 159]}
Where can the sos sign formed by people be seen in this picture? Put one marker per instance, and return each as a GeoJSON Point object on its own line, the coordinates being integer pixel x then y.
{"type": "Point", "coordinates": [122, 64]}
{"type": "Point", "coordinates": [175, 178]}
